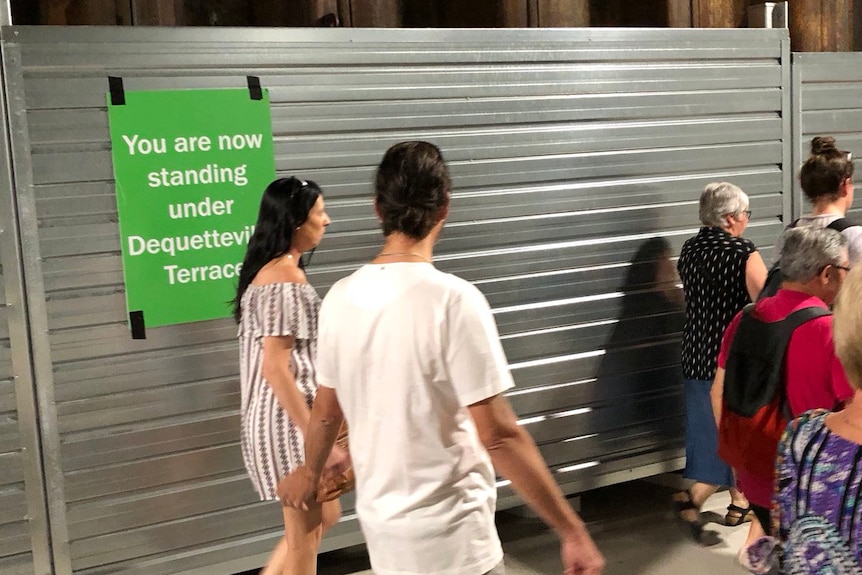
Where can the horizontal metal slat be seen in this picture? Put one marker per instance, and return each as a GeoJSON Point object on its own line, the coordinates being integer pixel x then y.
{"type": "Point", "coordinates": [832, 122]}
{"type": "Point", "coordinates": [92, 377]}
{"type": "Point", "coordinates": [246, 526]}
{"type": "Point", "coordinates": [562, 340]}
{"type": "Point", "coordinates": [708, 41]}
{"type": "Point", "coordinates": [20, 564]}
{"type": "Point", "coordinates": [560, 393]}
{"type": "Point", "coordinates": [68, 200]}
{"type": "Point", "coordinates": [338, 117]}
{"type": "Point", "coordinates": [572, 167]}
{"type": "Point", "coordinates": [10, 440]}
{"type": "Point", "coordinates": [320, 152]}
{"type": "Point", "coordinates": [482, 49]}
{"type": "Point", "coordinates": [153, 472]}
{"type": "Point", "coordinates": [7, 396]}
{"type": "Point", "coordinates": [833, 96]}
{"type": "Point", "coordinates": [109, 447]}
{"type": "Point", "coordinates": [13, 504]}
{"type": "Point", "coordinates": [655, 436]}
{"type": "Point", "coordinates": [600, 419]}
{"type": "Point", "coordinates": [11, 468]}
{"type": "Point", "coordinates": [109, 515]}
{"type": "Point", "coordinates": [14, 539]}
{"type": "Point", "coordinates": [827, 67]}
{"type": "Point", "coordinates": [177, 399]}
{"type": "Point", "coordinates": [109, 341]}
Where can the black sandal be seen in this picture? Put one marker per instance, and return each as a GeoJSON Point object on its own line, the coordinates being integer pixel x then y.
{"type": "Point", "coordinates": [737, 515]}
{"type": "Point", "coordinates": [694, 528]}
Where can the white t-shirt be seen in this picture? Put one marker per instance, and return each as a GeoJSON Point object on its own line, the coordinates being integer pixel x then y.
{"type": "Point", "coordinates": [407, 348]}
{"type": "Point", "coordinates": [853, 235]}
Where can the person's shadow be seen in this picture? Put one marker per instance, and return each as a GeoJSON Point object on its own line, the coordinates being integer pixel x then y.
{"type": "Point", "coordinates": [642, 354]}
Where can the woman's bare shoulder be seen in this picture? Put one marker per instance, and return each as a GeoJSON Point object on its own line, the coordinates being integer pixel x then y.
{"type": "Point", "coordinates": [279, 272]}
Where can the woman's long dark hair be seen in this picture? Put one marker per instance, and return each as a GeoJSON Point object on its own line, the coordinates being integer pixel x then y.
{"type": "Point", "coordinates": [284, 207]}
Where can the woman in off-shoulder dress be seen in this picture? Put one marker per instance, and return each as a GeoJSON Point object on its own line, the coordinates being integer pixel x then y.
{"type": "Point", "coordinates": [276, 309]}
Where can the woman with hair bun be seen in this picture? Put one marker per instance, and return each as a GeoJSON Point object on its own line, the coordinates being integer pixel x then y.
{"type": "Point", "coordinates": [827, 181]}
{"type": "Point", "coordinates": [276, 309]}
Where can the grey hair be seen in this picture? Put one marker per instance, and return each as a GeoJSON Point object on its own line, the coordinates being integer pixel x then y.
{"type": "Point", "coordinates": [720, 199]}
{"type": "Point", "coordinates": [806, 250]}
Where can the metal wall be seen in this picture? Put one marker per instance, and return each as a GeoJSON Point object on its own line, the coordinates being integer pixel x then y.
{"type": "Point", "coordinates": [827, 100]}
{"type": "Point", "coordinates": [570, 150]}
{"type": "Point", "coordinates": [24, 548]}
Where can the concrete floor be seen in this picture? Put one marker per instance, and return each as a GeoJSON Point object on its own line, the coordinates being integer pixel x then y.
{"type": "Point", "coordinates": [632, 524]}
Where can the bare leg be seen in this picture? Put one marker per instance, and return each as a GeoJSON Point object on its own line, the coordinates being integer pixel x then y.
{"type": "Point", "coordinates": [738, 498]}
{"type": "Point", "coordinates": [755, 530]}
{"type": "Point", "coordinates": [700, 492]}
{"type": "Point", "coordinates": [331, 514]}
{"type": "Point", "coordinates": [302, 532]}
{"type": "Point", "coordinates": [754, 558]}
{"type": "Point", "coordinates": [275, 565]}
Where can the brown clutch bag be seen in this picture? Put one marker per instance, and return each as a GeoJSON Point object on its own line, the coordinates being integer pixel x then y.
{"type": "Point", "coordinates": [334, 486]}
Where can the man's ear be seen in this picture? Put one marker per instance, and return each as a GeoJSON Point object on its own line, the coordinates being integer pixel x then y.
{"type": "Point", "coordinates": [824, 275]}
{"type": "Point", "coordinates": [377, 211]}
{"type": "Point", "coordinates": [444, 212]}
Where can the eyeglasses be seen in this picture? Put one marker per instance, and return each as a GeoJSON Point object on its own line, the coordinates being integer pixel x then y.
{"type": "Point", "coordinates": [747, 213]}
{"type": "Point", "coordinates": [845, 268]}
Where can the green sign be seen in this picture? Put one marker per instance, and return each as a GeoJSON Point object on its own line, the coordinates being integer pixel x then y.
{"type": "Point", "coordinates": [190, 167]}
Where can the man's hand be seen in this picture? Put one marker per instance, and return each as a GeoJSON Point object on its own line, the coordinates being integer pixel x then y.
{"type": "Point", "coordinates": [337, 463]}
{"type": "Point", "coordinates": [580, 555]}
{"type": "Point", "coordinates": [298, 488]}
{"type": "Point", "coordinates": [336, 477]}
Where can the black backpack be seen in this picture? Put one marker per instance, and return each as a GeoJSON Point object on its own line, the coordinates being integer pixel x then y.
{"type": "Point", "coordinates": [774, 278]}
{"type": "Point", "coordinates": [754, 405]}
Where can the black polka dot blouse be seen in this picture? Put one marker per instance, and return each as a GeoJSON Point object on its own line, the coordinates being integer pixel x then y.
{"type": "Point", "coordinates": [712, 268]}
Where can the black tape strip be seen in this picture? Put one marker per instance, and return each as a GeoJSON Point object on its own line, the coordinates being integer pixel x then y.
{"type": "Point", "coordinates": [118, 95]}
{"type": "Point", "coordinates": [254, 90]}
{"type": "Point", "coordinates": [136, 321]}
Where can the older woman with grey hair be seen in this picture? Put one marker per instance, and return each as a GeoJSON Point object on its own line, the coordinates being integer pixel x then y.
{"type": "Point", "coordinates": [721, 272]}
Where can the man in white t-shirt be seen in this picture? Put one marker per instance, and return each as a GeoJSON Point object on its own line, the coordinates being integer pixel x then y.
{"type": "Point", "coordinates": [411, 357]}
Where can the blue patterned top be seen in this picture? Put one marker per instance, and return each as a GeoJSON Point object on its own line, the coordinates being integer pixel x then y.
{"type": "Point", "coordinates": [816, 507]}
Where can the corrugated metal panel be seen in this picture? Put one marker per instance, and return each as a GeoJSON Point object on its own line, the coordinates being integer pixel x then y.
{"type": "Point", "coordinates": [569, 149]}
{"type": "Point", "coordinates": [827, 100]}
{"type": "Point", "coordinates": [23, 524]}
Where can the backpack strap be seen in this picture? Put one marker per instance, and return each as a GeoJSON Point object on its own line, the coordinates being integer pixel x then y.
{"type": "Point", "coordinates": [781, 331]}
{"type": "Point", "coordinates": [840, 225]}
{"type": "Point", "coordinates": [786, 327]}
{"type": "Point", "coordinates": [789, 324]}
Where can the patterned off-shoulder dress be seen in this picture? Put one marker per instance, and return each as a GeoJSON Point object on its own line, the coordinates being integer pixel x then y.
{"type": "Point", "coordinates": [272, 444]}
